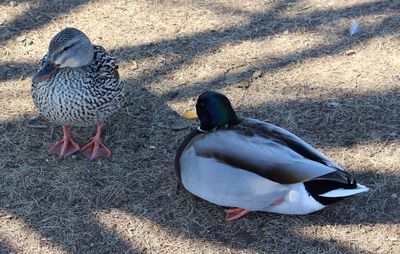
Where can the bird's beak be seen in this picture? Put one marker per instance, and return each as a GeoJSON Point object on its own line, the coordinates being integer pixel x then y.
{"type": "Point", "coordinates": [190, 115]}
{"type": "Point", "coordinates": [44, 73]}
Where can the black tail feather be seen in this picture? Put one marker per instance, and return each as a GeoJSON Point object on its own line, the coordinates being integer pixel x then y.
{"type": "Point", "coordinates": [332, 181]}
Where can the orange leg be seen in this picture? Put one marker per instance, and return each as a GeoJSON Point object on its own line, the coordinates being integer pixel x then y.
{"type": "Point", "coordinates": [66, 146]}
{"type": "Point", "coordinates": [95, 148]}
{"type": "Point", "coordinates": [235, 213]}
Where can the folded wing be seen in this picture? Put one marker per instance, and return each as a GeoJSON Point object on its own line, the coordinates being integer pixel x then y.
{"type": "Point", "coordinates": [268, 150]}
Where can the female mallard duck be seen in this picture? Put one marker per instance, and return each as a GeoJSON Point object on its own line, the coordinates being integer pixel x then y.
{"type": "Point", "coordinates": [77, 84]}
{"type": "Point", "coordinates": [256, 166]}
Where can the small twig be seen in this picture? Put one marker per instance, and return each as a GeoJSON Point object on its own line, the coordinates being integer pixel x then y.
{"type": "Point", "coordinates": [38, 126]}
{"type": "Point", "coordinates": [233, 67]}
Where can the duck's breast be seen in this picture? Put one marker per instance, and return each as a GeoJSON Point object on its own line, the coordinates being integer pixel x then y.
{"type": "Point", "coordinates": [73, 97]}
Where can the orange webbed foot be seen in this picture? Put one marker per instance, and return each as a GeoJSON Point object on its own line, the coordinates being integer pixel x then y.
{"type": "Point", "coordinates": [235, 213]}
{"type": "Point", "coordinates": [95, 148]}
{"type": "Point", "coordinates": [66, 146]}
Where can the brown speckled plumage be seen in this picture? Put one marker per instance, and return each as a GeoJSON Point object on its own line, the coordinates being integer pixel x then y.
{"type": "Point", "coordinates": [81, 96]}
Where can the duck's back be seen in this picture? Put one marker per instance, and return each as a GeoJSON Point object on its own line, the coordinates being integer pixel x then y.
{"type": "Point", "coordinates": [81, 96]}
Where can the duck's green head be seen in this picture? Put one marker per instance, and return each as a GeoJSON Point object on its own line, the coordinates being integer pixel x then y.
{"type": "Point", "coordinates": [214, 110]}
{"type": "Point", "coordinates": [68, 48]}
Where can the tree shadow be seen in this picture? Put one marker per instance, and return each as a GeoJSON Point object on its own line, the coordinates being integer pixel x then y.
{"type": "Point", "coordinates": [40, 14]}
{"type": "Point", "coordinates": [57, 198]}
{"type": "Point", "coordinates": [188, 48]}
{"type": "Point", "coordinates": [262, 25]}
{"type": "Point", "coordinates": [264, 232]}
{"type": "Point", "coordinates": [345, 121]}
{"type": "Point", "coordinates": [5, 248]}
{"type": "Point", "coordinates": [8, 70]}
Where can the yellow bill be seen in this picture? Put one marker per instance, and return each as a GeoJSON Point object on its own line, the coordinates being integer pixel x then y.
{"type": "Point", "coordinates": [190, 115]}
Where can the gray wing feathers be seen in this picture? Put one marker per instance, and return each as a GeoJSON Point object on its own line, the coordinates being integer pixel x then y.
{"type": "Point", "coordinates": [296, 143]}
{"type": "Point", "coordinates": [272, 160]}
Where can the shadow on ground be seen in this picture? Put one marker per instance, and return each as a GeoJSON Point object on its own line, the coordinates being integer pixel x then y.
{"type": "Point", "coordinates": [262, 25]}
{"type": "Point", "coordinates": [57, 198]}
{"type": "Point", "coordinates": [40, 14]}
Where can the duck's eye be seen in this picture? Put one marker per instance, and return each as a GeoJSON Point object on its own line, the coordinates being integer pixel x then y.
{"type": "Point", "coordinates": [66, 48]}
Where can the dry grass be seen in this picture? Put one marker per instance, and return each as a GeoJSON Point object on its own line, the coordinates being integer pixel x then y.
{"type": "Point", "coordinates": [340, 93]}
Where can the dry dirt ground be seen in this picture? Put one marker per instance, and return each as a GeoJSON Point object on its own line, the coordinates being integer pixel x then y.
{"type": "Point", "coordinates": [339, 92]}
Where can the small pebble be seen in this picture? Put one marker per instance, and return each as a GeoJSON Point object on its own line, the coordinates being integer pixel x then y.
{"type": "Point", "coordinates": [393, 135]}
{"type": "Point", "coordinates": [134, 65]}
{"type": "Point", "coordinates": [13, 3]}
{"type": "Point", "coordinates": [21, 38]}
{"type": "Point", "coordinates": [333, 104]}
{"type": "Point", "coordinates": [350, 52]}
{"type": "Point", "coordinates": [33, 118]}
{"type": "Point", "coordinates": [244, 85]}
{"type": "Point", "coordinates": [74, 156]}
{"type": "Point", "coordinates": [257, 74]}
{"type": "Point", "coordinates": [394, 195]}
{"type": "Point", "coordinates": [28, 42]}
{"type": "Point", "coordinates": [152, 147]}
{"type": "Point", "coordinates": [286, 240]}
{"type": "Point", "coordinates": [311, 86]}
{"type": "Point", "coordinates": [216, 22]}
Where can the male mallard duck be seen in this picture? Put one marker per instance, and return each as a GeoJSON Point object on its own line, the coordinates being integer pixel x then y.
{"type": "Point", "coordinates": [77, 84]}
{"type": "Point", "coordinates": [256, 166]}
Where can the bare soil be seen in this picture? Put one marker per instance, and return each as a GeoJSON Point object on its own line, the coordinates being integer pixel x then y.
{"type": "Point", "coordinates": [340, 93]}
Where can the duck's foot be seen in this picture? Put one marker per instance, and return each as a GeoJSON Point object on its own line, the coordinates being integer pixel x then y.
{"type": "Point", "coordinates": [66, 146]}
{"type": "Point", "coordinates": [235, 213]}
{"type": "Point", "coordinates": [95, 148]}
{"type": "Point", "coordinates": [278, 201]}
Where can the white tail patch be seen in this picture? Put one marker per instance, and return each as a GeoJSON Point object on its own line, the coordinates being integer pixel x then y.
{"type": "Point", "coordinates": [345, 192]}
